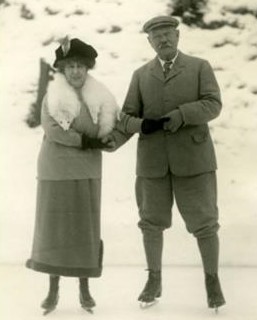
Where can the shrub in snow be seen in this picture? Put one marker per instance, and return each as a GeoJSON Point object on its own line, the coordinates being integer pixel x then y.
{"type": "Point", "coordinates": [191, 11]}
{"type": "Point", "coordinates": [48, 41]}
{"type": "Point", "coordinates": [101, 30]}
{"type": "Point", "coordinates": [112, 29]}
{"type": "Point", "coordinates": [217, 21]}
{"type": "Point", "coordinates": [242, 9]}
{"type": "Point", "coordinates": [252, 56]}
{"type": "Point", "coordinates": [224, 42]}
{"type": "Point", "coordinates": [26, 13]}
{"type": "Point", "coordinates": [253, 89]}
{"type": "Point", "coordinates": [51, 11]}
{"type": "Point", "coordinates": [219, 15]}
{"type": "Point", "coordinates": [115, 29]}
{"type": "Point", "coordinates": [78, 12]}
{"type": "Point", "coordinates": [4, 3]}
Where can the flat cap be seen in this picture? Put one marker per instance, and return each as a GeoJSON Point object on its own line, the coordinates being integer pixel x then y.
{"type": "Point", "coordinates": [160, 21]}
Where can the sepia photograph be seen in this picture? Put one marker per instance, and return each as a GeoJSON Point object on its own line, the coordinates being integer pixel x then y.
{"type": "Point", "coordinates": [128, 167]}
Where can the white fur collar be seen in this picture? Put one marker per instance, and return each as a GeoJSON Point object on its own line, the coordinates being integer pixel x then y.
{"type": "Point", "coordinates": [64, 104]}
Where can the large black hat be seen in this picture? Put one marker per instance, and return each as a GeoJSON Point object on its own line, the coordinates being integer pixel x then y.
{"type": "Point", "coordinates": [74, 48]}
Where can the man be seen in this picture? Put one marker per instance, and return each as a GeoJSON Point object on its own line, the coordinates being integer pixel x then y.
{"type": "Point", "coordinates": [170, 101]}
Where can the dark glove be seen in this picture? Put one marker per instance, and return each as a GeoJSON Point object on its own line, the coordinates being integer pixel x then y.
{"type": "Point", "coordinates": [92, 143]}
{"type": "Point", "coordinates": [150, 125]}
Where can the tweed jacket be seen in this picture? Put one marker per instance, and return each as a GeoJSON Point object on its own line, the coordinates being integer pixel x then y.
{"type": "Point", "coordinates": [191, 87]}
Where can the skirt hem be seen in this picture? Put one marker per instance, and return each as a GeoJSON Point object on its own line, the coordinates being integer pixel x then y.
{"type": "Point", "coordinates": [64, 271]}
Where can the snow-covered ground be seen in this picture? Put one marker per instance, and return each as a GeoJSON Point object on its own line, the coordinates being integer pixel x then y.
{"type": "Point", "coordinates": [231, 51]}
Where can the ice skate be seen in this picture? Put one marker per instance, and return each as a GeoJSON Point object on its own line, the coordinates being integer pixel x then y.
{"type": "Point", "coordinates": [151, 291]}
{"type": "Point", "coordinates": [214, 293]}
{"type": "Point", "coordinates": [86, 301]}
{"type": "Point", "coordinates": [146, 305]}
{"type": "Point", "coordinates": [51, 301]}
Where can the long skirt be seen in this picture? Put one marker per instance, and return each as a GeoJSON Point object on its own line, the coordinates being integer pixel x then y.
{"type": "Point", "coordinates": [67, 229]}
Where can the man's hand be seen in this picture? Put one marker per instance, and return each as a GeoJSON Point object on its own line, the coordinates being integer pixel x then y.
{"type": "Point", "coordinates": [175, 121]}
{"type": "Point", "coordinates": [93, 143]}
{"type": "Point", "coordinates": [150, 125]}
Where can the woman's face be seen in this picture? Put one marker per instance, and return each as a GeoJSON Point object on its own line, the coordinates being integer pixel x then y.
{"type": "Point", "coordinates": [75, 73]}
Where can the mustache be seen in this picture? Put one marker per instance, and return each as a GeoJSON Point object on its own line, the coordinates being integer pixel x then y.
{"type": "Point", "coordinates": [164, 45]}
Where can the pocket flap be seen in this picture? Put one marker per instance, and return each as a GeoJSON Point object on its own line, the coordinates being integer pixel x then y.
{"type": "Point", "coordinates": [200, 136]}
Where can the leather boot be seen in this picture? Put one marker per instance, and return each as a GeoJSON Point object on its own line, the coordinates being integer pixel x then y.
{"type": "Point", "coordinates": [52, 298]}
{"type": "Point", "coordinates": [153, 287]}
{"type": "Point", "coordinates": [86, 301]}
{"type": "Point", "coordinates": [215, 296]}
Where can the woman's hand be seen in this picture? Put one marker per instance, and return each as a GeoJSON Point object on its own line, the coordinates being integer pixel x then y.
{"type": "Point", "coordinates": [110, 143]}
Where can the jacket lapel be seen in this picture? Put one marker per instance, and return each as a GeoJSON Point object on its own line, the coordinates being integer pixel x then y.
{"type": "Point", "coordinates": [177, 67]}
{"type": "Point", "coordinates": [157, 71]}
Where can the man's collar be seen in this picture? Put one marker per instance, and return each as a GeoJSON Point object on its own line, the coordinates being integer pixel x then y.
{"type": "Point", "coordinates": [172, 60]}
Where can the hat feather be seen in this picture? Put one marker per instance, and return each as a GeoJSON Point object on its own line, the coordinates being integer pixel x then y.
{"type": "Point", "coordinates": [66, 46]}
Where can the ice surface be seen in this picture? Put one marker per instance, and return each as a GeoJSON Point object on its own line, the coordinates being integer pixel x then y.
{"type": "Point", "coordinates": [117, 290]}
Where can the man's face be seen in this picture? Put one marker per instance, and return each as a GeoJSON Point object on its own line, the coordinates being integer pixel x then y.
{"type": "Point", "coordinates": [164, 41]}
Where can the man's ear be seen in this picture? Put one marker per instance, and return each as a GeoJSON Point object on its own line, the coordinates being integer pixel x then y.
{"type": "Point", "coordinates": [149, 40]}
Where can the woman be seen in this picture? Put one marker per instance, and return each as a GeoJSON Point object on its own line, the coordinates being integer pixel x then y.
{"type": "Point", "coordinates": [77, 112]}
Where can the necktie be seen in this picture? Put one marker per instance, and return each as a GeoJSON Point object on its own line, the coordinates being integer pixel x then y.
{"type": "Point", "coordinates": [166, 68]}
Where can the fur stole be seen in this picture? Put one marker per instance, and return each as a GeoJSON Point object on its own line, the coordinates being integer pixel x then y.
{"type": "Point", "coordinates": [64, 104]}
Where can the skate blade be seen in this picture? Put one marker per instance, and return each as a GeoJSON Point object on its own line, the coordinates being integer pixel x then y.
{"type": "Point", "coordinates": [146, 305]}
{"type": "Point", "coordinates": [47, 311]}
{"type": "Point", "coordinates": [89, 310]}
